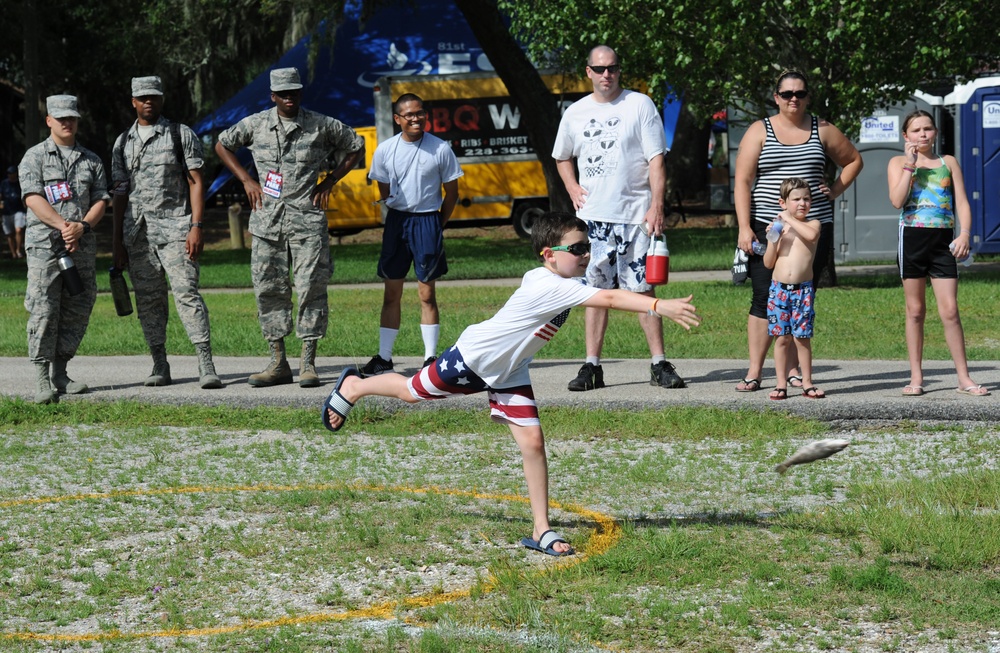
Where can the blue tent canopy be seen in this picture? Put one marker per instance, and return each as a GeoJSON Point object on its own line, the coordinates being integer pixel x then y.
{"type": "Point", "coordinates": [402, 40]}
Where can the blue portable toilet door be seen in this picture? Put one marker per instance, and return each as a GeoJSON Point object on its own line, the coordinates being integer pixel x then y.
{"type": "Point", "coordinates": [984, 191]}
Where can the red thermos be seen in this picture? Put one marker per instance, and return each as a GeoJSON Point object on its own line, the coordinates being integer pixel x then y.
{"type": "Point", "coordinates": [657, 262]}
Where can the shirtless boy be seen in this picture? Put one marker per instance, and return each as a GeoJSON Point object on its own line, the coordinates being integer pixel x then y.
{"type": "Point", "coordinates": [790, 311]}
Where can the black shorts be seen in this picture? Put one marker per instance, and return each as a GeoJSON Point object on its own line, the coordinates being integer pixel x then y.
{"type": "Point", "coordinates": [823, 247]}
{"type": "Point", "coordinates": [923, 252]}
{"type": "Point", "coordinates": [760, 274]}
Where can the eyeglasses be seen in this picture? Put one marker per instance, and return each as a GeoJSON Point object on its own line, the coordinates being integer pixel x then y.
{"type": "Point", "coordinates": [576, 249]}
{"type": "Point", "coordinates": [614, 69]}
{"type": "Point", "coordinates": [416, 115]}
{"type": "Point", "coordinates": [286, 95]}
{"type": "Point", "coordinates": [788, 95]}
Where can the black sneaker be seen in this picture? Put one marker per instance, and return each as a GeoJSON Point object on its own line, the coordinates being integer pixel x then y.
{"type": "Point", "coordinates": [590, 377]}
{"type": "Point", "coordinates": [377, 365]}
{"type": "Point", "coordinates": [664, 375]}
{"type": "Point", "coordinates": [430, 361]}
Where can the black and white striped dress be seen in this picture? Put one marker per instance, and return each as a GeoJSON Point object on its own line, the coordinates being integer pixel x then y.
{"type": "Point", "coordinates": [778, 162]}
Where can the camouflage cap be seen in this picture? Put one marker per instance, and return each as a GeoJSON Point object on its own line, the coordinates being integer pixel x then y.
{"type": "Point", "coordinates": [61, 106]}
{"type": "Point", "coordinates": [143, 86]}
{"type": "Point", "coordinates": [285, 79]}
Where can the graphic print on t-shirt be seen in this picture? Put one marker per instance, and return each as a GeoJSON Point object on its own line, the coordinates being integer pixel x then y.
{"type": "Point", "coordinates": [601, 150]}
{"type": "Point", "coordinates": [551, 328]}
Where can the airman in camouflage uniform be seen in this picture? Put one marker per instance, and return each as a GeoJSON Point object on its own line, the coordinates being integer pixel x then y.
{"type": "Point", "coordinates": [65, 191]}
{"type": "Point", "coordinates": [158, 202]}
{"type": "Point", "coordinates": [290, 147]}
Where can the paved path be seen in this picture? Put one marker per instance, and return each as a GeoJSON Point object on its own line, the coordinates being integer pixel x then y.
{"type": "Point", "coordinates": [866, 389]}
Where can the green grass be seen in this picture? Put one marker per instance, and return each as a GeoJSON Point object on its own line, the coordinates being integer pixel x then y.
{"type": "Point", "coordinates": [469, 257]}
{"type": "Point", "coordinates": [899, 535]}
{"type": "Point", "coordinates": [860, 319]}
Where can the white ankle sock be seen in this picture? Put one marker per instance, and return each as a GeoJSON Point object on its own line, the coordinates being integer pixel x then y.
{"type": "Point", "coordinates": [386, 341]}
{"type": "Point", "coordinates": [430, 333]}
{"type": "Point", "coordinates": [659, 359]}
{"type": "Point", "coordinates": [593, 360]}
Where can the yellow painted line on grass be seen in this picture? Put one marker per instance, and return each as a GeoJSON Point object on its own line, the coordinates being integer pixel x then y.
{"type": "Point", "coordinates": [606, 535]}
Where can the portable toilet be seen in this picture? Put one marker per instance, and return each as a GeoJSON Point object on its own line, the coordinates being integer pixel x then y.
{"type": "Point", "coordinates": [975, 108]}
{"type": "Point", "coordinates": [866, 224]}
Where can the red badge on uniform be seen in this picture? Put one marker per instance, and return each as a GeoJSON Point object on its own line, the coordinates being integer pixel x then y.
{"type": "Point", "coordinates": [58, 192]}
{"type": "Point", "coordinates": [272, 183]}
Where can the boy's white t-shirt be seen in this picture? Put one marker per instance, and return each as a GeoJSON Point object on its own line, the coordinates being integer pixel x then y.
{"type": "Point", "coordinates": [414, 171]}
{"type": "Point", "coordinates": [500, 349]}
{"type": "Point", "coordinates": [612, 143]}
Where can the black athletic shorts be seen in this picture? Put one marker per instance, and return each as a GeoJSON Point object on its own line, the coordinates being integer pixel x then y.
{"type": "Point", "coordinates": [923, 252]}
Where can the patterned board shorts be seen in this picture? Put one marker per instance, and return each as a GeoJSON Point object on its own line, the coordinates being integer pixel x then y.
{"type": "Point", "coordinates": [449, 377]}
{"type": "Point", "coordinates": [617, 256]}
{"type": "Point", "coordinates": [790, 309]}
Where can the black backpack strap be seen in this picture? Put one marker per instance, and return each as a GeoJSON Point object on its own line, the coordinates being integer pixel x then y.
{"type": "Point", "coordinates": [175, 134]}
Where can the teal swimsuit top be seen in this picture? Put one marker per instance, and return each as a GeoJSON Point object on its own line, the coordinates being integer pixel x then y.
{"type": "Point", "coordinates": [931, 202]}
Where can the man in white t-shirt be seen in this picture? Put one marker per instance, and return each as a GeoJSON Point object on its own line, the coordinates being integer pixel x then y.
{"type": "Point", "coordinates": [616, 137]}
{"type": "Point", "coordinates": [411, 168]}
{"type": "Point", "coordinates": [493, 356]}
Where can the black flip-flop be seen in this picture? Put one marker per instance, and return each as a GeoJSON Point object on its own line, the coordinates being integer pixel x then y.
{"type": "Point", "coordinates": [545, 542]}
{"type": "Point", "coordinates": [336, 401]}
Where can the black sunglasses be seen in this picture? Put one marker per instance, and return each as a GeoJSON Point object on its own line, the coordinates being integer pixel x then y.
{"type": "Point", "coordinates": [576, 249]}
{"type": "Point", "coordinates": [788, 95]}
{"type": "Point", "coordinates": [613, 69]}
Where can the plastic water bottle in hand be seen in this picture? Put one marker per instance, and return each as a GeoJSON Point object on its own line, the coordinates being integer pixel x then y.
{"type": "Point", "coordinates": [774, 231]}
{"type": "Point", "coordinates": [967, 261]}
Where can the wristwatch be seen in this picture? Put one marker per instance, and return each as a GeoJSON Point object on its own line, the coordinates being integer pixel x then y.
{"type": "Point", "coordinates": [193, 225]}
{"type": "Point", "coordinates": [86, 227]}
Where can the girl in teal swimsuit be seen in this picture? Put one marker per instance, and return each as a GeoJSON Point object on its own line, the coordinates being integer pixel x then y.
{"type": "Point", "coordinates": [930, 191]}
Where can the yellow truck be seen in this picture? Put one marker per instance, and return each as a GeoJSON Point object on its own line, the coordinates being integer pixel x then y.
{"type": "Point", "coordinates": [503, 180]}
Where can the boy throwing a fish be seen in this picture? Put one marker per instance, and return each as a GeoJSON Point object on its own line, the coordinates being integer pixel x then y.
{"type": "Point", "coordinates": [493, 356]}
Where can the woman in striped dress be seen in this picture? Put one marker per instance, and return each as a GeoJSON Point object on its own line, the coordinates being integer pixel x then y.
{"type": "Point", "coordinates": [791, 143]}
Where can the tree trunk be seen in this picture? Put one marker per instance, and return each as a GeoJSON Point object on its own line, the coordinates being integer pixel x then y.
{"type": "Point", "coordinates": [687, 162]}
{"type": "Point", "coordinates": [539, 113]}
{"type": "Point", "coordinates": [32, 121]}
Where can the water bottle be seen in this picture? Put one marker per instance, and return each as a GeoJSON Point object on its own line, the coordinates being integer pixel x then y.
{"type": "Point", "coordinates": [72, 282]}
{"type": "Point", "coordinates": [967, 261]}
{"type": "Point", "coordinates": [758, 248]}
{"type": "Point", "coordinates": [774, 231]}
{"type": "Point", "coordinates": [657, 262]}
{"type": "Point", "coordinates": [119, 292]}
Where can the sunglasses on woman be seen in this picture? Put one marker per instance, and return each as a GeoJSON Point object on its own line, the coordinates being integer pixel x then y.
{"type": "Point", "coordinates": [788, 95]}
{"type": "Point", "coordinates": [576, 249]}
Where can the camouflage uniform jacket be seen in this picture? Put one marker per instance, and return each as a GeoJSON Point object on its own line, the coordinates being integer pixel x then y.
{"type": "Point", "coordinates": [44, 165]}
{"type": "Point", "coordinates": [297, 149]}
{"type": "Point", "coordinates": [155, 181]}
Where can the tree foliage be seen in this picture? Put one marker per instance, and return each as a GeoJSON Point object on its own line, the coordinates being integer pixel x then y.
{"type": "Point", "coordinates": [858, 54]}
{"type": "Point", "coordinates": [204, 50]}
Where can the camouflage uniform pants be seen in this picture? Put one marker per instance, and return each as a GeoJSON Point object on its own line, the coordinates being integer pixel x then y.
{"type": "Point", "coordinates": [150, 266]}
{"type": "Point", "coordinates": [311, 267]}
{"type": "Point", "coordinates": [56, 321]}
